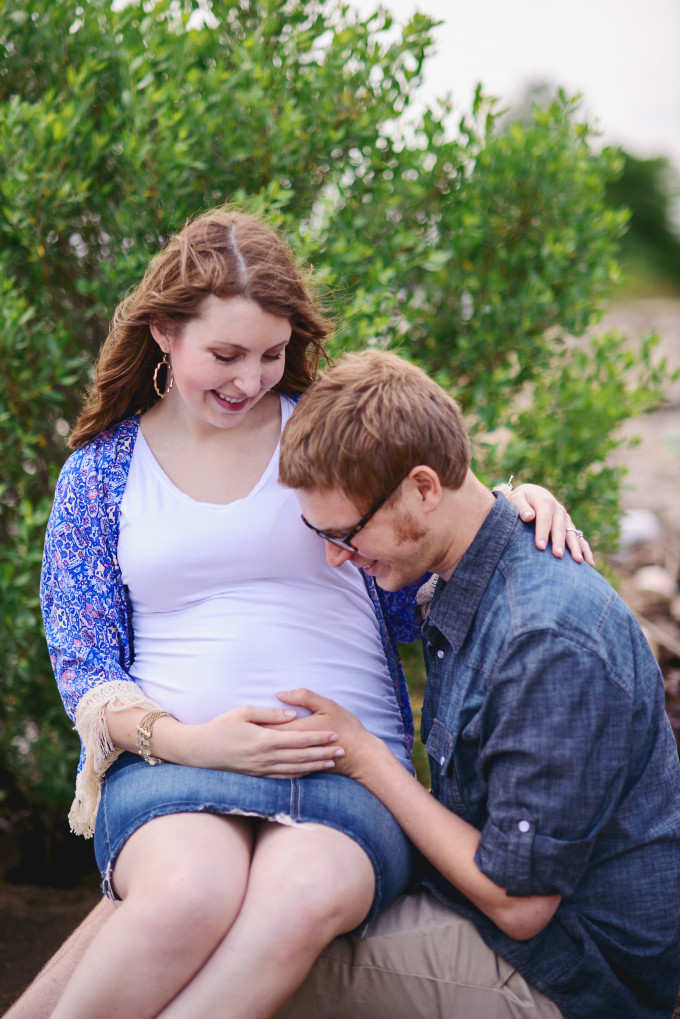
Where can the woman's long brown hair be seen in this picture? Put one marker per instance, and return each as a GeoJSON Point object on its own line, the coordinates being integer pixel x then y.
{"type": "Point", "coordinates": [224, 253]}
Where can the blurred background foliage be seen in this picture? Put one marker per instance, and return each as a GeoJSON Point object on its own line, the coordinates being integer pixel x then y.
{"type": "Point", "coordinates": [486, 257]}
{"type": "Point", "coordinates": [649, 189]}
{"type": "Point", "coordinates": [650, 247]}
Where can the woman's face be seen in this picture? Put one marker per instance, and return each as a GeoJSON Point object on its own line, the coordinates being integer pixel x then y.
{"type": "Point", "coordinates": [225, 359]}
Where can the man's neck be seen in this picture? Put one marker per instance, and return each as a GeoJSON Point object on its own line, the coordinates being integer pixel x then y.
{"type": "Point", "coordinates": [464, 510]}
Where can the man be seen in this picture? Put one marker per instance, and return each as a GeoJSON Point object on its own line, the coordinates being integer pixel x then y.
{"type": "Point", "coordinates": [553, 827]}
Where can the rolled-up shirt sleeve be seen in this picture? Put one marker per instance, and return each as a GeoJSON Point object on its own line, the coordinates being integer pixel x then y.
{"type": "Point", "coordinates": [551, 753]}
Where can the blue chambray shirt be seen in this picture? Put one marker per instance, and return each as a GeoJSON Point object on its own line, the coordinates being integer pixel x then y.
{"type": "Point", "coordinates": [545, 727]}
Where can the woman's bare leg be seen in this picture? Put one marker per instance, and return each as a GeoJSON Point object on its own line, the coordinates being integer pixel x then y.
{"type": "Point", "coordinates": [182, 879]}
{"type": "Point", "coordinates": [41, 996]}
{"type": "Point", "coordinates": [307, 884]}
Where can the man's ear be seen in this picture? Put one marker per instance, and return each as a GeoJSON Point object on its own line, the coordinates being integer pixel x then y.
{"type": "Point", "coordinates": [160, 336]}
{"type": "Point", "coordinates": [427, 486]}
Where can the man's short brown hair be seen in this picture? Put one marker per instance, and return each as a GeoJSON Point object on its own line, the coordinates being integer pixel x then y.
{"type": "Point", "coordinates": [365, 423]}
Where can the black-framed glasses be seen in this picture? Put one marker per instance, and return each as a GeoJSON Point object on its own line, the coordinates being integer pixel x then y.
{"type": "Point", "coordinates": [345, 540]}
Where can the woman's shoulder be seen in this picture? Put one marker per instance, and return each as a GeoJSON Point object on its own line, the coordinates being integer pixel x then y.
{"type": "Point", "coordinates": [110, 450]}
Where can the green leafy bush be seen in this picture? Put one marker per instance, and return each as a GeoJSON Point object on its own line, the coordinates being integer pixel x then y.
{"type": "Point", "coordinates": [650, 252]}
{"type": "Point", "coordinates": [485, 257]}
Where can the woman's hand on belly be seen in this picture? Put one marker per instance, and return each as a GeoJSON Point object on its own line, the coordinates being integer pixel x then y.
{"type": "Point", "coordinates": [252, 741]}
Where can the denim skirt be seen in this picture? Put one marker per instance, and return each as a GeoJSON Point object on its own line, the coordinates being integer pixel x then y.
{"type": "Point", "coordinates": [133, 792]}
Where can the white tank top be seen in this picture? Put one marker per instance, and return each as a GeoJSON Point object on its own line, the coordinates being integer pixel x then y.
{"type": "Point", "coordinates": [231, 603]}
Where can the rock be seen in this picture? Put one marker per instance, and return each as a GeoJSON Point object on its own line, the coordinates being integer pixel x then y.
{"type": "Point", "coordinates": [655, 580]}
{"type": "Point", "coordinates": [656, 650]}
{"type": "Point", "coordinates": [638, 526]}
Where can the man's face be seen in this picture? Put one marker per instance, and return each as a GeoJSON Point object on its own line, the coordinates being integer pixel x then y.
{"type": "Point", "coordinates": [391, 547]}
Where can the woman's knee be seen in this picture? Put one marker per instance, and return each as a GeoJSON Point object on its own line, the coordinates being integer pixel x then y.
{"type": "Point", "coordinates": [328, 891]}
{"type": "Point", "coordinates": [192, 888]}
{"type": "Point", "coordinates": [343, 899]}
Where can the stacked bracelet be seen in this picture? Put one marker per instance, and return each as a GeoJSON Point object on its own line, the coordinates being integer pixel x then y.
{"type": "Point", "coordinates": [144, 731]}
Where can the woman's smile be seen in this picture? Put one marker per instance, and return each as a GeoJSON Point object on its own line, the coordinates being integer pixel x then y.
{"type": "Point", "coordinates": [231, 403]}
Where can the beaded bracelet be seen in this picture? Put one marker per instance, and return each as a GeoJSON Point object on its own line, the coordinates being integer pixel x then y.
{"type": "Point", "coordinates": [144, 731]}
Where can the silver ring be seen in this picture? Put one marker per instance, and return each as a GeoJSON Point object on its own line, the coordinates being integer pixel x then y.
{"type": "Point", "coordinates": [579, 534]}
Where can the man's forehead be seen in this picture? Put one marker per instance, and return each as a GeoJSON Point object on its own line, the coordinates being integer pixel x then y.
{"type": "Point", "coordinates": [327, 508]}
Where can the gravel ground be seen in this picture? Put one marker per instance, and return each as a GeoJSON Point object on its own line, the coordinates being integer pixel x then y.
{"type": "Point", "coordinates": [34, 922]}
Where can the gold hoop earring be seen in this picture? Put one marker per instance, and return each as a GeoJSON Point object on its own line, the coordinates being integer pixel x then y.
{"type": "Point", "coordinates": [164, 363]}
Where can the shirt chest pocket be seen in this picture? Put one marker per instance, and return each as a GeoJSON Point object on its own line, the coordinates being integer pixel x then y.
{"type": "Point", "coordinates": [453, 783]}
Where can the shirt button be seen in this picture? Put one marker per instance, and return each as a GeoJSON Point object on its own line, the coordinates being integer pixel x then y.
{"type": "Point", "coordinates": [442, 759]}
{"type": "Point", "coordinates": [524, 826]}
{"type": "Point", "coordinates": [440, 654]}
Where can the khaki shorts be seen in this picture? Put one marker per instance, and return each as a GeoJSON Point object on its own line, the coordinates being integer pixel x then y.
{"type": "Point", "coordinates": [417, 958]}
